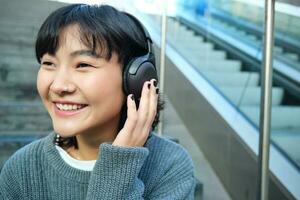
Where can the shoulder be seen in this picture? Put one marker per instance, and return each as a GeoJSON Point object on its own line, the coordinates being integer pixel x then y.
{"type": "Point", "coordinates": [166, 152]}
{"type": "Point", "coordinates": [24, 156]}
{"type": "Point", "coordinates": [168, 172]}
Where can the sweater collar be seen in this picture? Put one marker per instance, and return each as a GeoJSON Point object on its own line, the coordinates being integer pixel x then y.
{"type": "Point", "coordinates": [65, 170]}
{"type": "Point", "coordinates": [59, 165]}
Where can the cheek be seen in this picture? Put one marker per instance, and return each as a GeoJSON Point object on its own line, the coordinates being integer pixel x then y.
{"type": "Point", "coordinates": [44, 80]}
{"type": "Point", "coordinates": [104, 88]}
{"type": "Point", "coordinates": [41, 83]}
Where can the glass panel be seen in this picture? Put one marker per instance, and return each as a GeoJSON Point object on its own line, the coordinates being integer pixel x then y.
{"type": "Point", "coordinates": [224, 44]}
{"type": "Point", "coordinates": [213, 37]}
{"type": "Point", "coordinates": [286, 121]}
{"type": "Point", "coordinates": [223, 41]}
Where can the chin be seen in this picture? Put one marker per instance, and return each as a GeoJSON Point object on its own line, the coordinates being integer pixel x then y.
{"type": "Point", "coordinates": [64, 131]}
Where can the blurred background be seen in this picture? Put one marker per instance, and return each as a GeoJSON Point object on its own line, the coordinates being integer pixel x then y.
{"type": "Point", "coordinates": [212, 87]}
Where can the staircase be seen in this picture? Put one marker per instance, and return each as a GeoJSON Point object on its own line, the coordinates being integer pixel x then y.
{"type": "Point", "coordinates": [23, 117]}
{"type": "Point", "coordinates": [239, 86]}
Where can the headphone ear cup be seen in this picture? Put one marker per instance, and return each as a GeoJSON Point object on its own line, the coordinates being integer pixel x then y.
{"type": "Point", "coordinates": [138, 71]}
{"type": "Point", "coordinates": [125, 77]}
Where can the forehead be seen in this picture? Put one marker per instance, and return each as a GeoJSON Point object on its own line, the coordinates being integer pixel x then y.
{"type": "Point", "coordinates": [70, 38]}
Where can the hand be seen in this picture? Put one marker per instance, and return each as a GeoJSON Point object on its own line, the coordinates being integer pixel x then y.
{"type": "Point", "coordinates": [139, 122]}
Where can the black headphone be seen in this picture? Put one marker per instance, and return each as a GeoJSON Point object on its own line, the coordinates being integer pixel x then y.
{"type": "Point", "coordinates": [139, 69]}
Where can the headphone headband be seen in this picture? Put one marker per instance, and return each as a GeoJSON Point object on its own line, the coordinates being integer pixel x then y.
{"type": "Point", "coordinates": [140, 68]}
{"type": "Point", "coordinates": [146, 33]}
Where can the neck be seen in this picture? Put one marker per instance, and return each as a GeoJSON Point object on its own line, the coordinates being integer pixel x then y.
{"type": "Point", "coordinates": [89, 141]}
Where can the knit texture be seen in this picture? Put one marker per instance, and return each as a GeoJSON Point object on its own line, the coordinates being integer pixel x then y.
{"type": "Point", "coordinates": [161, 169]}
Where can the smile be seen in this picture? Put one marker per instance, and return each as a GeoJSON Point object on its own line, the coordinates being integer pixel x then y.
{"type": "Point", "coordinates": [65, 110]}
{"type": "Point", "coordinates": [69, 106]}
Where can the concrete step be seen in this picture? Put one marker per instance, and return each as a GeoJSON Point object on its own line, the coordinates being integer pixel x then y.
{"type": "Point", "coordinates": [184, 39]}
{"type": "Point", "coordinates": [191, 46]}
{"type": "Point", "coordinates": [252, 37]}
{"type": "Point", "coordinates": [18, 70]}
{"type": "Point", "coordinates": [242, 33]}
{"type": "Point", "coordinates": [16, 29]}
{"type": "Point", "coordinates": [278, 49]}
{"type": "Point", "coordinates": [250, 95]}
{"type": "Point", "coordinates": [180, 30]}
{"type": "Point", "coordinates": [17, 50]}
{"type": "Point", "coordinates": [291, 56]}
{"type": "Point", "coordinates": [15, 32]}
{"type": "Point", "coordinates": [20, 63]}
{"type": "Point", "coordinates": [232, 79]}
{"type": "Point", "coordinates": [16, 40]}
{"type": "Point", "coordinates": [181, 33]}
{"type": "Point", "coordinates": [25, 122]}
{"type": "Point", "coordinates": [21, 136]}
{"type": "Point", "coordinates": [18, 92]}
{"type": "Point", "coordinates": [283, 117]}
{"type": "Point", "coordinates": [16, 116]}
{"type": "Point", "coordinates": [17, 61]}
{"type": "Point", "coordinates": [12, 76]}
{"type": "Point", "coordinates": [297, 65]}
{"type": "Point", "coordinates": [288, 140]}
{"type": "Point", "coordinates": [216, 65]}
{"type": "Point", "coordinates": [208, 55]}
{"type": "Point", "coordinates": [22, 108]}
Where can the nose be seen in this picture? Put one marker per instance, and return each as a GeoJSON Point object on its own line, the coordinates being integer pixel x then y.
{"type": "Point", "coordinates": [62, 83]}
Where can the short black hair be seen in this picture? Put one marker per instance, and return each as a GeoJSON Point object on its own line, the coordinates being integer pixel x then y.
{"type": "Point", "coordinates": [104, 30]}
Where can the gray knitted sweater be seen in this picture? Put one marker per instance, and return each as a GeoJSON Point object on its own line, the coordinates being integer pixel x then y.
{"type": "Point", "coordinates": [160, 170]}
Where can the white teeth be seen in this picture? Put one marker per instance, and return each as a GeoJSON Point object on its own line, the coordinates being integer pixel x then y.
{"type": "Point", "coordinates": [68, 106]}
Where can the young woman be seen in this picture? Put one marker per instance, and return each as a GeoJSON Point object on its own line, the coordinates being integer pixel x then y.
{"type": "Point", "coordinates": [103, 145]}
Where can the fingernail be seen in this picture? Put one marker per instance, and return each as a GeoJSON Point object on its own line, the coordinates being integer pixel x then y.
{"type": "Point", "coordinates": [155, 83]}
{"type": "Point", "coordinates": [157, 90]}
{"type": "Point", "coordinates": [149, 84]}
{"type": "Point", "coordinates": [132, 97]}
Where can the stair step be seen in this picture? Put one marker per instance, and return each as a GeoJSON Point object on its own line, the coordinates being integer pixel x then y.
{"type": "Point", "coordinates": [278, 49]}
{"type": "Point", "coordinates": [26, 122]}
{"type": "Point", "coordinates": [250, 95]}
{"type": "Point", "coordinates": [16, 30]}
{"type": "Point", "coordinates": [21, 108]}
{"type": "Point", "coordinates": [288, 140]}
{"type": "Point", "coordinates": [283, 117]}
{"type": "Point", "coordinates": [191, 46]}
{"type": "Point", "coordinates": [216, 65]}
{"type": "Point", "coordinates": [12, 76]}
{"type": "Point", "coordinates": [17, 39]}
{"type": "Point", "coordinates": [18, 92]}
{"type": "Point", "coordinates": [13, 27]}
{"type": "Point", "coordinates": [179, 39]}
{"type": "Point", "coordinates": [21, 136]}
{"type": "Point", "coordinates": [207, 55]}
{"type": "Point", "coordinates": [292, 56]}
{"type": "Point", "coordinates": [30, 116]}
{"type": "Point", "coordinates": [17, 49]}
{"type": "Point", "coordinates": [17, 61]}
{"type": "Point", "coordinates": [232, 79]}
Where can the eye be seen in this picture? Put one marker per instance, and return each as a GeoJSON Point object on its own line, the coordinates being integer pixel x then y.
{"type": "Point", "coordinates": [47, 63]}
{"type": "Point", "coordinates": [83, 65]}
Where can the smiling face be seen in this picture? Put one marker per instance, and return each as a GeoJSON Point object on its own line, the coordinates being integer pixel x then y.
{"type": "Point", "coordinates": [91, 81]}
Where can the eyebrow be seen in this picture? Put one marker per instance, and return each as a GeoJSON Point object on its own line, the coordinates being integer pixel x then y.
{"type": "Point", "coordinates": [85, 53]}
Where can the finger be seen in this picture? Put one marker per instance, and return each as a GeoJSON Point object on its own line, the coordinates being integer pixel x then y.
{"type": "Point", "coordinates": [132, 117]}
{"type": "Point", "coordinates": [144, 104]}
{"type": "Point", "coordinates": [153, 97]}
{"type": "Point", "coordinates": [153, 100]}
